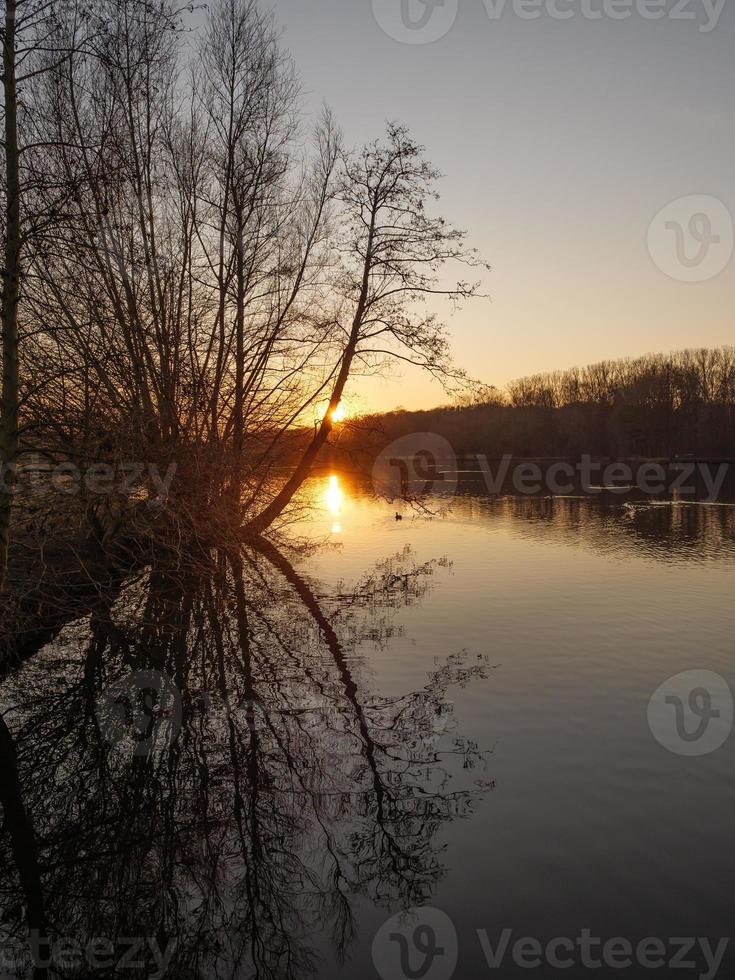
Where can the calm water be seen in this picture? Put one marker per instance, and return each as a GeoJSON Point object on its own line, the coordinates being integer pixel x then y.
{"type": "Point", "coordinates": [448, 712]}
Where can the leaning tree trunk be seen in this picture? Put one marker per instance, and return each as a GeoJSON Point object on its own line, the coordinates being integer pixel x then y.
{"type": "Point", "coordinates": [257, 525]}
{"type": "Point", "coordinates": [11, 292]}
{"type": "Point", "coordinates": [284, 497]}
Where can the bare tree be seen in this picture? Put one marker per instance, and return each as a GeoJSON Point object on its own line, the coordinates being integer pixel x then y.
{"type": "Point", "coordinates": [32, 197]}
{"type": "Point", "coordinates": [11, 282]}
{"type": "Point", "coordinates": [213, 279]}
{"type": "Point", "coordinates": [392, 251]}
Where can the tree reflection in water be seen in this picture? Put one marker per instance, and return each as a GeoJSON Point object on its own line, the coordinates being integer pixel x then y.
{"type": "Point", "coordinates": [289, 791]}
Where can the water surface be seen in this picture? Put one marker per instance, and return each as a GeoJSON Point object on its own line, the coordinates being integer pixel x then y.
{"type": "Point", "coordinates": [448, 712]}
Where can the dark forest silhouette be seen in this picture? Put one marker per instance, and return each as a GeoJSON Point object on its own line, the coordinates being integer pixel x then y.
{"type": "Point", "coordinates": [661, 405]}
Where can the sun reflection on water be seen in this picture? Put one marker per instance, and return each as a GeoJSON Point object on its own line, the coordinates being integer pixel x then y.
{"type": "Point", "coordinates": [334, 497]}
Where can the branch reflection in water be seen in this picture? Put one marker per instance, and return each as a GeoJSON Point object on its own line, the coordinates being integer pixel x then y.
{"type": "Point", "coordinates": [289, 790]}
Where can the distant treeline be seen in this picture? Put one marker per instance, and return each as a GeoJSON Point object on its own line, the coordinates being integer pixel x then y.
{"type": "Point", "coordinates": [653, 406]}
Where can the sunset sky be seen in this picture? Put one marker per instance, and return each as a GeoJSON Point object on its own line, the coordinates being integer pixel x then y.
{"type": "Point", "coordinates": [560, 141]}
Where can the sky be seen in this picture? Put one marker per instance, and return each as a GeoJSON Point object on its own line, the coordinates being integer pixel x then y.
{"type": "Point", "coordinates": [591, 159]}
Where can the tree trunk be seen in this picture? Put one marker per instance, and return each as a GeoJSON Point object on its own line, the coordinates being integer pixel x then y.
{"type": "Point", "coordinates": [238, 433]}
{"type": "Point", "coordinates": [25, 852]}
{"type": "Point", "coordinates": [11, 293]}
{"type": "Point", "coordinates": [284, 497]}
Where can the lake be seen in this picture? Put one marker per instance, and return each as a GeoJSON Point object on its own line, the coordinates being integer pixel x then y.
{"type": "Point", "coordinates": [248, 773]}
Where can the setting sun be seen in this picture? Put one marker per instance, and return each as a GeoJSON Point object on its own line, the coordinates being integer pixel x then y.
{"type": "Point", "coordinates": [340, 413]}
